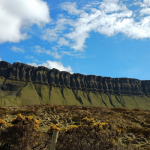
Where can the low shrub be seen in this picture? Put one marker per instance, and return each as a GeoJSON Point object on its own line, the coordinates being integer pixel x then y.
{"type": "Point", "coordinates": [88, 136]}
{"type": "Point", "coordinates": [20, 133]}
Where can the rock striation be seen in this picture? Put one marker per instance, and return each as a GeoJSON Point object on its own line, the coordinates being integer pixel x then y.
{"type": "Point", "coordinates": [42, 75]}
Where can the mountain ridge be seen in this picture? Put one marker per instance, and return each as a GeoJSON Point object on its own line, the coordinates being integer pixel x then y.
{"type": "Point", "coordinates": [22, 84]}
{"type": "Point", "coordinates": [42, 75]}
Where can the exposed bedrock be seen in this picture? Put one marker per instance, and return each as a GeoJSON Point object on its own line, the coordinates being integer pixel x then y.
{"type": "Point", "coordinates": [42, 75]}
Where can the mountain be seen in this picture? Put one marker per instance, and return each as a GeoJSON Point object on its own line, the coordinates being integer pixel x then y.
{"type": "Point", "coordinates": [22, 84]}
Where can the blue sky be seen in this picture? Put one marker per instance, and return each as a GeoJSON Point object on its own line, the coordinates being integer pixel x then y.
{"type": "Point", "coordinates": [104, 38]}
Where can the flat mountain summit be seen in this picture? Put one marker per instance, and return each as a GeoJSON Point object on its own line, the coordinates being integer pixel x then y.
{"type": "Point", "coordinates": [22, 84]}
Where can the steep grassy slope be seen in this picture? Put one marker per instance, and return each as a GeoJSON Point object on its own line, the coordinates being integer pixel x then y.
{"type": "Point", "coordinates": [70, 97]}
{"type": "Point", "coordinates": [28, 95]}
{"type": "Point", "coordinates": [133, 101]}
{"type": "Point", "coordinates": [18, 93]}
{"type": "Point", "coordinates": [25, 96]}
{"type": "Point", "coordinates": [43, 92]}
{"type": "Point", "coordinates": [106, 100]}
{"type": "Point", "coordinates": [9, 100]}
{"type": "Point", "coordinates": [114, 101]}
{"type": "Point", "coordinates": [95, 99]}
{"type": "Point", "coordinates": [82, 97]}
{"type": "Point", "coordinates": [56, 96]}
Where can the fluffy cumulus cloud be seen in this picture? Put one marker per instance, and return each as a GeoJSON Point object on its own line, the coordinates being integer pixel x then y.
{"type": "Point", "coordinates": [16, 14]}
{"type": "Point", "coordinates": [53, 64]}
{"type": "Point", "coordinates": [108, 17]}
{"type": "Point", "coordinates": [16, 49]}
{"type": "Point", "coordinates": [0, 59]}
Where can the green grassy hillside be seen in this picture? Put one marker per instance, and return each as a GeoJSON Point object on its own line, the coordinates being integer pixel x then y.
{"type": "Point", "coordinates": [96, 99]}
{"type": "Point", "coordinates": [43, 92]}
{"type": "Point", "coordinates": [106, 100]}
{"type": "Point", "coordinates": [70, 97]}
{"type": "Point", "coordinates": [56, 97]}
{"type": "Point", "coordinates": [82, 97]}
{"type": "Point", "coordinates": [19, 93]}
{"type": "Point", "coordinates": [28, 95]}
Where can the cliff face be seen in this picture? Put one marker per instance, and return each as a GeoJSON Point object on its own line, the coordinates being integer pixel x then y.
{"type": "Point", "coordinates": [21, 84]}
{"type": "Point", "coordinates": [54, 77]}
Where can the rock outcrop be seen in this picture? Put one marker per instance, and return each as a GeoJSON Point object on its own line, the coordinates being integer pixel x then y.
{"type": "Point", "coordinates": [42, 75]}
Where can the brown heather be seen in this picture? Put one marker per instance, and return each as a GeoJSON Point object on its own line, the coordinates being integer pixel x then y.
{"type": "Point", "coordinates": [80, 128]}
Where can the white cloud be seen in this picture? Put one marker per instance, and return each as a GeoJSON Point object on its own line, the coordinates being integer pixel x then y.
{"type": "Point", "coordinates": [97, 21]}
{"type": "Point", "coordinates": [53, 64]}
{"type": "Point", "coordinates": [79, 36]}
{"type": "Point", "coordinates": [109, 6]}
{"type": "Point", "coordinates": [38, 49]}
{"type": "Point", "coordinates": [50, 35]}
{"type": "Point", "coordinates": [138, 3]}
{"type": "Point", "coordinates": [16, 14]}
{"type": "Point", "coordinates": [0, 59]}
{"type": "Point", "coordinates": [108, 17]}
{"type": "Point", "coordinates": [146, 2]}
{"type": "Point", "coordinates": [77, 55]}
{"type": "Point", "coordinates": [63, 41]}
{"type": "Point", "coordinates": [33, 64]}
{"type": "Point", "coordinates": [145, 11]}
{"type": "Point", "coordinates": [53, 53]}
{"type": "Point", "coordinates": [53, 34]}
{"type": "Point", "coordinates": [71, 8]}
{"type": "Point", "coordinates": [16, 49]}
